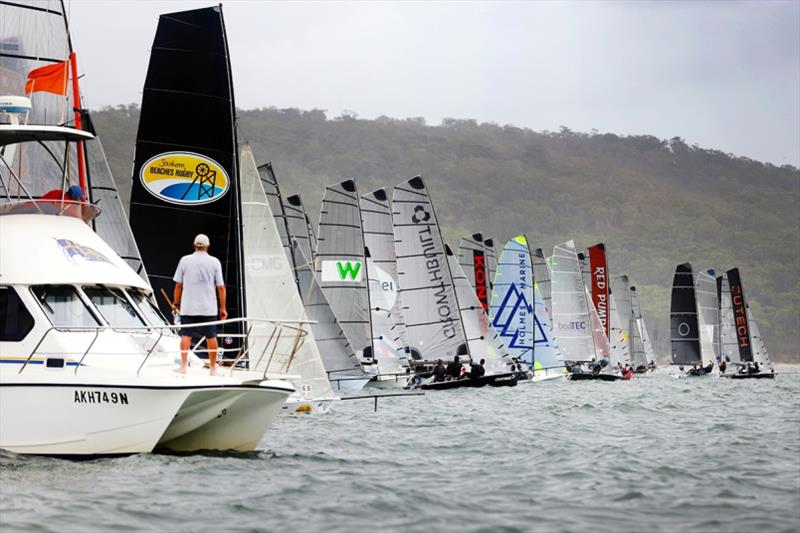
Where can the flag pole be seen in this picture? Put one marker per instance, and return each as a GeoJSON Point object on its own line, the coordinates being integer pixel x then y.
{"type": "Point", "coordinates": [76, 101]}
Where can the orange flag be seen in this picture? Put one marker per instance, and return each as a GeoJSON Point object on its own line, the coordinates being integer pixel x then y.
{"type": "Point", "coordinates": [49, 78]}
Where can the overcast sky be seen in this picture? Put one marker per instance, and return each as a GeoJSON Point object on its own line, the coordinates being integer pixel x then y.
{"type": "Point", "coordinates": [724, 75]}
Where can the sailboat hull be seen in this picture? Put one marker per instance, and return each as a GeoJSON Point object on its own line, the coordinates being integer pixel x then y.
{"type": "Point", "coordinates": [234, 418]}
{"type": "Point", "coordinates": [597, 377]}
{"type": "Point", "coordinates": [749, 376]}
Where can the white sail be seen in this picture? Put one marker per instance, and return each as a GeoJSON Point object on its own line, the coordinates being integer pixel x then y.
{"type": "Point", "coordinates": [512, 306]}
{"type": "Point", "coordinates": [620, 345]}
{"type": "Point", "coordinates": [571, 309]}
{"type": "Point", "coordinates": [705, 290]}
{"type": "Point", "coordinates": [728, 344]}
{"type": "Point", "coordinates": [340, 264]}
{"type": "Point", "coordinates": [620, 287]}
{"type": "Point", "coordinates": [341, 363]}
{"type": "Point", "coordinates": [760, 354]}
{"type": "Point", "coordinates": [640, 331]}
{"type": "Point", "coordinates": [541, 275]}
{"type": "Point", "coordinates": [482, 339]}
{"type": "Point", "coordinates": [389, 342]}
{"type": "Point", "coordinates": [272, 293]}
{"type": "Point", "coordinates": [433, 320]}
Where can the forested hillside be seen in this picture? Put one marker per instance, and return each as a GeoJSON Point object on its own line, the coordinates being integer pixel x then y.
{"type": "Point", "coordinates": [654, 202]}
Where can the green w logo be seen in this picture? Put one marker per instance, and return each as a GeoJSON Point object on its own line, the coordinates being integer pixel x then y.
{"type": "Point", "coordinates": [347, 269]}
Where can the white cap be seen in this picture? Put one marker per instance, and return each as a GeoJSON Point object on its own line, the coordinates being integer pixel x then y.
{"type": "Point", "coordinates": [202, 240]}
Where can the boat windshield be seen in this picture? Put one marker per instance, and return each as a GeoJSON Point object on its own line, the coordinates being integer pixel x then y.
{"type": "Point", "coordinates": [147, 308]}
{"type": "Point", "coordinates": [114, 307]}
{"type": "Point", "coordinates": [64, 307]}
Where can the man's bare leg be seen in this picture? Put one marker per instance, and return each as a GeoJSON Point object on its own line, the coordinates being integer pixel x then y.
{"type": "Point", "coordinates": [212, 356]}
{"type": "Point", "coordinates": [185, 343]}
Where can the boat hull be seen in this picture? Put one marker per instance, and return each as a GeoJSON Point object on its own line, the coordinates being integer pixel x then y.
{"type": "Point", "coordinates": [748, 376]}
{"type": "Point", "coordinates": [85, 419]}
{"type": "Point", "coordinates": [230, 418]}
{"type": "Point", "coordinates": [494, 380]}
{"type": "Point", "coordinates": [586, 376]}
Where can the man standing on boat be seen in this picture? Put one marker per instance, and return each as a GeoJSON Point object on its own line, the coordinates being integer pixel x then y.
{"type": "Point", "coordinates": [199, 294]}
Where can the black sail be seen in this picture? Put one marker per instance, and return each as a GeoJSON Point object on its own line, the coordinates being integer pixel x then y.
{"type": "Point", "coordinates": [743, 337]}
{"type": "Point", "coordinates": [185, 177]}
{"type": "Point", "coordinates": [683, 318]}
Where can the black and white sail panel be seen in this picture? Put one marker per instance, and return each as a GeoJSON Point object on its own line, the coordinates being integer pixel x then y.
{"type": "Point", "coordinates": [433, 322]}
{"type": "Point", "coordinates": [684, 328]}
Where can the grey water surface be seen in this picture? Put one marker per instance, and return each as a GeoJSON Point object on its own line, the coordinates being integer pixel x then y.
{"type": "Point", "coordinates": [657, 454]}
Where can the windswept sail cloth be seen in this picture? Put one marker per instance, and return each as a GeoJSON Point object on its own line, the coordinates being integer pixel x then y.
{"type": "Point", "coordinates": [473, 259]}
{"type": "Point", "coordinates": [541, 275]}
{"type": "Point", "coordinates": [741, 324]}
{"type": "Point", "coordinates": [270, 183]}
{"type": "Point", "coordinates": [619, 342]}
{"type": "Point", "coordinates": [482, 339]}
{"type": "Point", "coordinates": [338, 356]}
{"type": "Point", "coordinates": [708, 310]}
{"type": "Point", "coordinates": [389, 341]}
{"type": "Point", "coordinates": [728, 342]}
{"type": "Point", "coordinates": [572, 318]}
{"type": "Point", "coordinates": [34, 38]}
{"type": "Point", "coordinates": [620, 288]}
{"type": "Point", "coordinates": [271, 287]}
{"type": "Point", "coordinates": [684, 328]}
{"type": "Point", "coordinates": [641, 329]}
{"type": "Point", "coordinates": [185, 178]}
{"type": "Point", "coordinates": [433, 321]}
{"type": "Point", "coordinates": [758, 348]}
{"type": "Point", "coordinates": [491, 263]}
{"type": "Point", "coordinates": [512, 308]}
{"type": "Point", "coordinates": [600, 280]}
{"type": "Point", "coordinates": [340, 263]}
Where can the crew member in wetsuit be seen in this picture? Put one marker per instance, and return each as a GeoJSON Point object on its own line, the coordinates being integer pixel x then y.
{"type": "Point", "coordinates": [756, 368]}
{"type": "Point", "coordinates": [454, 369]}
{"type": "Point", "coordinates": [477, 370]}
{"type": "Point", "coordinates": [723, 366]}
{"type": "Point", "coordinates": [439, 372]}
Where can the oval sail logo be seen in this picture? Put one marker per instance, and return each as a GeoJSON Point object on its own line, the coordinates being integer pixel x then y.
{"type": "Point", "coordinates": [184, 178]}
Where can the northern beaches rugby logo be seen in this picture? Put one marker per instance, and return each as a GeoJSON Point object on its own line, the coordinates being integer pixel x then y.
{"type": "Point", "coordinates": [184, 178]}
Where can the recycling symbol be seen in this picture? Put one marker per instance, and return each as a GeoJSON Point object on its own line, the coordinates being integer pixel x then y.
{"type": "Point", "coordinates": [420, 215]}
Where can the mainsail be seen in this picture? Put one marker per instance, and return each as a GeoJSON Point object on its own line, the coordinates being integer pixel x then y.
{"type": "Point", "coordinates": [340, 263]}
{"type": "Point", "coordinates": [620, 288]}
{"type": "Point", "coordinates": [619, 341]}
{"type": "Point", "coordinates": [684, 328]}
{"type": "Point", "coordinates": [599, 281]}
{"type": "Point", "coordinates": [270, 184]}
{"type": "Point", "coordinates": [740, 316]}
{"type": "Point", "coordinates": [641, 328]}
{"type": "Point", "coordinates": [433, 321]}
{"type": "Point", "coordinates": [272, 293]}
{"type": "Point", "coordinates": [541, 274]}
{"type": "Point", "coordinates": [185, 169]}
{"type": "Point", "coordinates": [491, 264]}
{"type": "Point", "coordinates": [760, 354]}
{"type": "Point", "coordinates": [482, 339]}
{"type": "Point", "coordinates": [472, 258]}
{"type": "Point", "coordinates": [511, 310]}
{"type": "Point", "coordinates": [708, 309]}
{"type": "Point", "coordinates": [341, 363]}
{"type": "Point", "coordinates": [389, 343]}
{"type": "Point", "coordinates": [728, 343]}
{"type": "Point", "coordinates": [572, 318]}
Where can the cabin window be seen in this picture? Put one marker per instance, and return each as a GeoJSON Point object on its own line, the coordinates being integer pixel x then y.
{"type": "Point", "coordinates": [15, 320]}
{"type": "Point", "coordinates": [147, 308]}
{"type": "Point", "coordinates": [63, 306]}
{"type": "Point", "coordinates": [114, 307]}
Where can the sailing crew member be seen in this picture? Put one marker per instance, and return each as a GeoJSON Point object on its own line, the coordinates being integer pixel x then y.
{"type": "Point", "coordinates": [439, 372]}
{"type": "Point", "coordinates": [454, 369]}
{"type": "Point", "coordinates": [199, 295]}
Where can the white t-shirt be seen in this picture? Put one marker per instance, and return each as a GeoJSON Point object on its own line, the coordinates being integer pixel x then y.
{"type": "Point", "coordinates": [200, 275]}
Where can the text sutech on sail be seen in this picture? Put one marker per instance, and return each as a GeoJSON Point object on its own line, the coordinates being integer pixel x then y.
{"type": "Point", "coordinates": [434, 269]}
